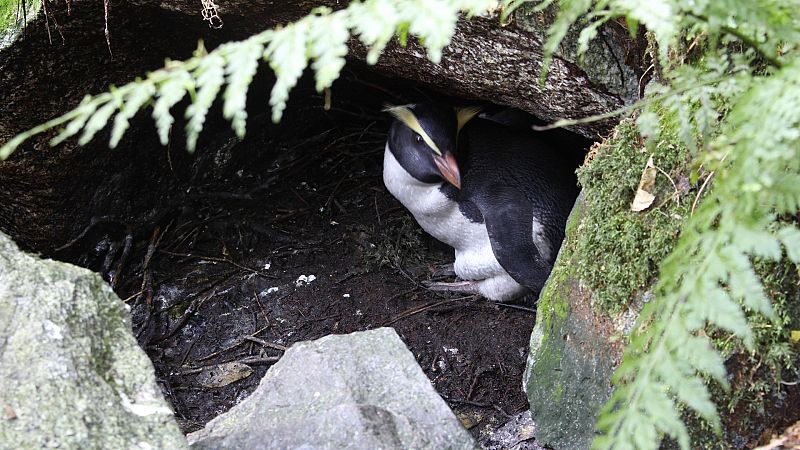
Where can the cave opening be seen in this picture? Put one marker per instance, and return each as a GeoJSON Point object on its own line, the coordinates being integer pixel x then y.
{"type": "Point", "coordinates": [289, 235]}
{"type": "Point", "coordinates": [234, 253]}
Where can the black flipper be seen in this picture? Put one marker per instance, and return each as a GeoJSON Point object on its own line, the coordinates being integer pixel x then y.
{"type": "Point", "coordinates": [510, 230]}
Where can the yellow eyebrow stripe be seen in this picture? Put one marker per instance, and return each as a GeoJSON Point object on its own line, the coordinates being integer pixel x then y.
{"type": "Point", "coordinates": [464, 115]}
{"type": "Point", "coordinates": [403, 114]}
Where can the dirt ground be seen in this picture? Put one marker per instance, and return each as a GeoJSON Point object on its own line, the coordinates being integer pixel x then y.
{"type": "Point", "coordinates": [220, 278]}
{"type": "Point", "coordinates": [208, 249]}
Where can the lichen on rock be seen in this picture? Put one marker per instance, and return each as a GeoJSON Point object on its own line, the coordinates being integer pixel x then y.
{"type": "Point", "coordinates": [73, 374]}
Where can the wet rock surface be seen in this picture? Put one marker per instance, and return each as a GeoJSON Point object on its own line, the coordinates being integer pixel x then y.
{"type": "Point", "coordinates": [571, 358]}
{"type": "Point", "coordinates": [519, 433]}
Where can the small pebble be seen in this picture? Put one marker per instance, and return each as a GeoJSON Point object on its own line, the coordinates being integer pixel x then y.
{"type": "Point", "coordinates": [304, 279]}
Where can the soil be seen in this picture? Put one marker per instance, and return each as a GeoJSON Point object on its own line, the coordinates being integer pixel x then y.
{"type": "Point", "coordinates": [300, 201]}
{"type": "Point", "coordinates": [210, 249]}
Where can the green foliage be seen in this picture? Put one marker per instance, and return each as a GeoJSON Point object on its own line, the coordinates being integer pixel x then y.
{"type": "Point", "coordinates": [774, 360]}
{"type": "Point", "coordinates": [12, 15]}
{"type": "Point", "coordinates": [319, 38]}
{"type": "Point", "coordinates": [7, 14]}
{"type": "Point", "coordinates": [730, 97]}
{"type": "Point", "coordinates": [735, 96]}
{"type": "Point", "coordinates": [620, 250]}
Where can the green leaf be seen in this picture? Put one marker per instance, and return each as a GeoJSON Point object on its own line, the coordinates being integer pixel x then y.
{"type": "Point", "coordinates": [700, 353]}
{"type": "Point", "coordinates": [723, 312]}
{"type": "Point", "coordinates": [587, 35]}
{"type": "Point", "coordinates": [693, 392]}
{"type": "Point", "coordinates": [758, 242]}
{"type": "Point", "coordinates": [170, 92]}
{"type": "Point", "coordinates": [139, 95]}
{"type": "Point", "coordinates": [328, 46]}
{"type": "Point", "coordinates": [433, 22]}
{"type": "Point", "coordinates": [790, 238]}
{"type": "Point", "coordinates": [82, 112]}
{"type": "Point", "coordinates": [375, 23]}
{"type": "Point", "coordinates": [96, 123]}
{"type": "Point", "coordinates": [242, 65]}
{"type": "Point", "coordinates": [287, 57]}
{"type": "Point", "coordinates": [210, 76]}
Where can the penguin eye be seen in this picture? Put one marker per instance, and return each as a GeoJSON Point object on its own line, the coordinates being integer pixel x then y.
{"type": "Point", "coordinates": [418, 139]}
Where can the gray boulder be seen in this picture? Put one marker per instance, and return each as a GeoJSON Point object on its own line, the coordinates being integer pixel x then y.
{"type": "Point", "coordinates": [72, 373]}
{"type": "Point", "coordinates": [358, 391]}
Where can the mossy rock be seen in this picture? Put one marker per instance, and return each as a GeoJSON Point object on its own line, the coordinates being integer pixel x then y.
{"type": "Point", "coordinates": [570, 363]}
{"type": "Point", "coordinates": [606, 271]}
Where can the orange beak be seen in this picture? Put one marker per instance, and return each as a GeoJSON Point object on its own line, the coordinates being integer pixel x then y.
{"type": "Point", "coordinates": [448, 168]}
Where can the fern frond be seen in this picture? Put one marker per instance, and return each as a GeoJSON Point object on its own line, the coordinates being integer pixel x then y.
{"type": "Point", "coordinates": [170, 92]}
{"type": "Point", "coordinates": [133, 102]}
{"type": "Point", "coordinates": [210, 76]}
{"type": "Point", "coordinates": [242, 63]}
{"type": "Point", "coordinates": [319, 38]}
{"type": "Point", "coordinates": [710, 272]}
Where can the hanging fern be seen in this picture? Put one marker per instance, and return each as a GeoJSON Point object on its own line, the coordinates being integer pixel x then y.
{"type": "Point", "coordinates": [739, 109]}
{"type": "Point", "coordinates": [319, 38]}
{"type": "Point", "coordinates": [740, 112]}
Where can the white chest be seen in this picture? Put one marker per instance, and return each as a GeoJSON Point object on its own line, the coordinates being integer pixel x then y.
{"type": "Point", "coordinates": [441, 218]}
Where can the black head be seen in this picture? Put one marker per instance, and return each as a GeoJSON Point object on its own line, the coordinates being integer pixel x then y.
{"type": "Point", "coordinates": [423, 140]}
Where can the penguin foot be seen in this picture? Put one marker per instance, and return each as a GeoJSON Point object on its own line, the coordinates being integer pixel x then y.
{"type": "Point", "coordinates": [443, 271]}
{"type": "Point", "coordinates": [461, 287]}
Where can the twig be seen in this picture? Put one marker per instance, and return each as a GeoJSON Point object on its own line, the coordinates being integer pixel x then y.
{"type": "Point", "coordinates": [261, 307]}
{"type": "Point", "coordinates": [641, 79]}
{"type": "Point", "coordinates": [517, 307]}
{"type": "Point", "coordinates": [92, 222]}
{"type": "Point", "coordinates": [190, 311]}
{"type": "Point", "coordinates": [705, 183]}
{"type": "Point", "coordinates": [264, 343]}
{"type": "Point", "coordinates": [238, 342]}
{"type": "Point", "coordinates": [254, 360]}
{"type": "Point", "coordinates": [47, 21]}
{"type": "Point", "coordinates": [418, 310]}
{"type": "Point", "coordinates": [676, 194]}
{"type": "Point", "coordinates": [377, 211]}
{"type": "Point", "coordinates": [132, 296]}
{"type": "Point", "coordinates": [189, 350]}
{"type": "Point", "coordinates": [147, 279]}
{"type": "Point", "coordinates": [105, 29]}
{"type": "Point", "coordinates": [126, 251]}
{"type": "Point", "coordinates": [217, 259]}
{"type": "Point", "coordinates": [700, 192]}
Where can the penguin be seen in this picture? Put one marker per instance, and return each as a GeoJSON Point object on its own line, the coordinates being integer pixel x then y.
{"type": "Point", "coordinates": [499, 195]}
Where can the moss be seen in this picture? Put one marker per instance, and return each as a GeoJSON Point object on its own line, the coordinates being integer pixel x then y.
{"type": "Point", "coordinates": [397, 244]}
{"type": "Point", "coordinates": [756, 396]}
{"type": "Point", "coordinates": [618, 251]}
{"type": "Point", "coordinates": [10, 22]}
{"type": "Point", "coordinates": [7, 16]}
